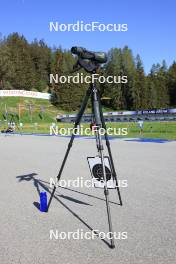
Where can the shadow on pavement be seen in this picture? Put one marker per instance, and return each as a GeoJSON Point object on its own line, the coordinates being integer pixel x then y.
{"type": "Point", "coordinates": [43, 184]}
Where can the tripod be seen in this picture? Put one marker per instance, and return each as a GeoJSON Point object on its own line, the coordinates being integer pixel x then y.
{"type": "Point", "coordinates": [99, 121]}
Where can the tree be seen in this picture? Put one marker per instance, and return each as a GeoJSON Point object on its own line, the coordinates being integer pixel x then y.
{"type": "Point", "coordinates": [158, 87]}
{"type": "Point", "coordinates": [41, 58]}
{"type": "Point", "coordinates": [172, 84]}
{"type": "Point", "coordinates": [121, 63]}
{"type": "Point", "coordinates": [21, 74]}
{"type": "Point", "coordinates": [6, 66]}
{"type": "Point", "coordinates": [113, 90]}
{"type": "Point", "coordinates": [139, 93]}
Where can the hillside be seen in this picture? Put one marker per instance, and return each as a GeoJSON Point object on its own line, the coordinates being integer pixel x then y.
{"type": "Point", "coordinates": [29, 110]}
{"type": "Point", "coordinates": [32, 110]}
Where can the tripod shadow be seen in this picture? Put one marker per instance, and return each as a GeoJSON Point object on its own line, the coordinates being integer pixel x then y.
{"type": "Point", "coordinates": [89, 195]}
{"type": "Point", "coordinates": [39, 183]}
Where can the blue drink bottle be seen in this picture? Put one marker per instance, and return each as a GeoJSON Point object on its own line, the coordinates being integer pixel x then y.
{"type": "Point", "coordinates": [43, 202]}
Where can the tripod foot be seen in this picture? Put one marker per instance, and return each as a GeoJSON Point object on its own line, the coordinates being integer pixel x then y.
{"type": "Point", "coordinates": [112, 246]}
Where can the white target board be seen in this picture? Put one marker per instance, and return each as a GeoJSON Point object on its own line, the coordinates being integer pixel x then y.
{"type": "Point", "coordinates": [96, 170]}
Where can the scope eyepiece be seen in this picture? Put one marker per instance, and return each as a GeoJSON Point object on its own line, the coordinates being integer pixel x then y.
{"type": "Point", "coordinates": [77, 50]}
{"type": "Point", "coordinates": [98, 57]}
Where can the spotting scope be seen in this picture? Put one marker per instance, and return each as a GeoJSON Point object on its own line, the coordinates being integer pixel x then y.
{"type": "Point", "coordinates": [98, 57]}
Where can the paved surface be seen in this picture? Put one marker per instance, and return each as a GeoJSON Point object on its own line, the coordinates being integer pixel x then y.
{"type": "Point", "coordinates": [148, 214]}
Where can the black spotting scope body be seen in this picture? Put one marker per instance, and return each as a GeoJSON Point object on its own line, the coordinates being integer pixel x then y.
{"type": "Point", "coordinates": [99, 57]}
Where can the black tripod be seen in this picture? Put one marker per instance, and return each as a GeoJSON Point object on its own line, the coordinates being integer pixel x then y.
{"type": "Point", "coordinates": [90, 65]}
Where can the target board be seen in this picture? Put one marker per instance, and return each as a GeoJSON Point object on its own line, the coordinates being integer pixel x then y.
{"type": "Point", "coordinates": [96, 170]}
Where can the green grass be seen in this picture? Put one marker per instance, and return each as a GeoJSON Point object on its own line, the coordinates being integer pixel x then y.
{"type": "Point", "coordinates": [163, 130]}
{"type": "Point", "coordinates": [160, 130]}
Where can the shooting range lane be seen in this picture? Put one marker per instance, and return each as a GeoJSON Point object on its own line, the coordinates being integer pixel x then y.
{"type": "Point", "coordinates": [148, 213]}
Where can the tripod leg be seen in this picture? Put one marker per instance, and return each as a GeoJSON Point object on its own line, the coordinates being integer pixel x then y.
{"type": "Point", "coordinates": [110, 153]}
{"type": "Point", "coordinates": [77, 122]}
{"type": "Point", "coordinates": [106, 191]}
{"type": "Point", "coordinates": [97, 116]}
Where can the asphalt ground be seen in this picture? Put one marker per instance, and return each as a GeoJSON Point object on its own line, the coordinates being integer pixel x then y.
{"type": "Point", "coordinates": [147, 217]}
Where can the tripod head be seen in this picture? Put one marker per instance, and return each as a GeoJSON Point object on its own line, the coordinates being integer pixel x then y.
{"type": "Point", "coordinates": [88, 60]}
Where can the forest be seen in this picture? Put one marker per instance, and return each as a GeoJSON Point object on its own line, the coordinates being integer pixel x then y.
{"type": "Point", "coordinates": [28, 66]}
